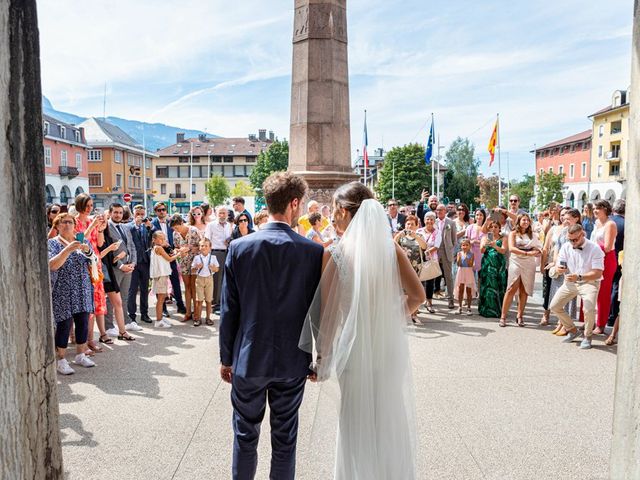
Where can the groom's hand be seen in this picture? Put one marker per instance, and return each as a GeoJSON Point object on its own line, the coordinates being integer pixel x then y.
{"type": "Point", "coordinates": [225, 373]}
{"type": "Point", "coordinates": [312, 377]}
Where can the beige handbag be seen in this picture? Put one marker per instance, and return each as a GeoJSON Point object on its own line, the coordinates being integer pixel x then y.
{"type": "Point", "coordinates": [429, 269]}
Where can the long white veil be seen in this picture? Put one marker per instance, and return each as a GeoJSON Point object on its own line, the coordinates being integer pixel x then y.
{"type": "Point", "coordinates": [355, 329]}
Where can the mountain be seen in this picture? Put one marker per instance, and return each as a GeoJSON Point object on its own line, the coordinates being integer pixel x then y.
{"type": "Point", "coordinates": [156, 135]}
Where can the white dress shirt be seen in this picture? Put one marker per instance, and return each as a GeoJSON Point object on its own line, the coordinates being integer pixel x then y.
{"type": "Point", "coordinates": [581, 260]}
{"type": "Point", "coordinates": [218, 233]}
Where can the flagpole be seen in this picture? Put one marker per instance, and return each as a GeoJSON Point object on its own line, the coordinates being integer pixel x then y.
{"type": "Point", "coordinates": [364, 160]}
{"type": "Point", "coordinates": [438, 159]}
{"type": "Point", "coordinates": [191, 177]}
{"type": "Point", "coordinates": [499, 169]}
{"type": "Point", "coordinates": [144, 170]}
{"type": "Point", "coordinates": [433, 167]}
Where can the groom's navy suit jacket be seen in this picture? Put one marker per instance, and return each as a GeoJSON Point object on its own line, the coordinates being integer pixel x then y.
{"type": "Point", "coordinates": [269, 283]}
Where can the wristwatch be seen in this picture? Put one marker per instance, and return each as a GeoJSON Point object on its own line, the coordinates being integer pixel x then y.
{"type": "Point", "coordinates": [579, 278]}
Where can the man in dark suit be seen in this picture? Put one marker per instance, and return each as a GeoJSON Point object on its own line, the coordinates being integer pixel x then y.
{"type": "Point", "coordinates": [161, 222]}
{"type": "Point", "coordinates": [260, 328]}
{"type": "Point", "coordinates": [619, 207]}
{"type": "Point", "coordinates": [396, 219]}
{"type": "Point", "coordinates": [238, 208]}
{"type": "Point", "coordinates": [141, 236]}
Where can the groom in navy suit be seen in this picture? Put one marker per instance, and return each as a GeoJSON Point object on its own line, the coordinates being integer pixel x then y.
{"type": "Point", "coordinates": [270, 280]}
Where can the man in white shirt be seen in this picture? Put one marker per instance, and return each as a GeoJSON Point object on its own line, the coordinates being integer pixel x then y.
{"type": "Point", "coordinates": [582, 263]}
{"type": "Point", "coordinates": [219, 234]}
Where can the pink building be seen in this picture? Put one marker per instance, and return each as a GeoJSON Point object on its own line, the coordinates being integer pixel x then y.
{"type": "Point", "coordinates": [65, 161]}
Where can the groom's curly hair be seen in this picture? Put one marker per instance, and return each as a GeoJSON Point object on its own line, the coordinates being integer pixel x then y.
{"type": "Point", "coordinates": [350, 195]}
{"type": "Point", "coordinates": [281, 188]}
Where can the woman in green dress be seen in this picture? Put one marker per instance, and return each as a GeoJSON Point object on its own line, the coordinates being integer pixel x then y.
{"type": "Point", "coordinates": [493, 272]}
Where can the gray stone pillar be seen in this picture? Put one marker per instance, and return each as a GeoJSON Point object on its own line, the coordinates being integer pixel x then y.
{"type": "Point", "coordinates": [625, 447]}
{"type": "Point", "coordinates": [320, 142]}
{"type": "Point", "coordinates": [29, 431]}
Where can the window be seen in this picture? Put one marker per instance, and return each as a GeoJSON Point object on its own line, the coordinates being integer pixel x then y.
{"type": "Point", "coordinates": [47, 156]}
{"type": "Point", "coordinates": [572, 169]}
{"type": "Point", "coordinates": [95, 179]}
{"type": "Point", "coordinates": [216, 159]}
{"type": "Point", "coordinates": [76, 134]}
{"type": "Point", "coordinates": [600, 151]}
{"type": "Point", "coordinates": [228, 159]}
{"type": "Point", "coordinates": [178, 189]}
{"type": "Point", "coordinates": [550, 169]}
{"type": "Point", "coordinates": [573, 148]}
{"type": "Point", "coordinates": [249, 169]}
{"type": "Point", "coordinates": [135, 182]}
{"type": "Point", "coordinates": [117, 156]}
{"type": "Point", "coordinates": [79, 161]}
{"type": "Point", "coordinates": [134, 160]}
{"type": "Point", "coordinates": [541, 171]}
{"type": "Point", "coordinates": [173, 172]}
{"type": "Point", "coordinates": [239, 171]}
{"type": "Point", "coordinates": [599, 171]}
{"type": "Point", "coordinates": [148, 183]}
{"type": "Point", "coordinates": [162, 172]}
{"type": "Point", "coordinates": [193, 188]}
{"type": "Point", "coordinates": [250, 159]}
{"type": "Point", "coordinates": [163, 189]}
{"type": "Point", "coordinates": [616, 127]}
{"type": "Point", "coordinates": [63, 131]}
{"type": "Point", "coordinates": [601, 130]}
{"type": "Point", "coordinates": [45, 130]}
{"type": "Point", "coordinates": [63, 158]}
{"type": "Point", "coordinates": [615, 150]}
{"type": "Point", "coordinates": [561, 169]}
{"type": "Point", "coordinates": [95, 155]}
{"type": "Point", "coordinates": [614, 169]}
{"type": "Point", "coordinates": [228, 171]}
{"type": "Point", "coordinates": [584, 169]}
{"type": "Point", "coordinates": [183, 172]}
{"type": "Point", "coordinates": [118, 180]}
{"type": "Point", "coordinates": [147, 163]}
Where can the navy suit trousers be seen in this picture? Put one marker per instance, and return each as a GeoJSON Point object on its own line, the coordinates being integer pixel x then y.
{"type": "Point", "coordinates": [175, 285]}
{"type": "Point", "coordinates": [249, 397]}
{"type": "Point", "coordinates": [139, 281]}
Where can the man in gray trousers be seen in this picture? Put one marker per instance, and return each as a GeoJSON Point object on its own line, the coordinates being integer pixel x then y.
{"type": "Point", "coordinates": [447, 229]}
{"type": "Point", "coordinates": [123, 267]}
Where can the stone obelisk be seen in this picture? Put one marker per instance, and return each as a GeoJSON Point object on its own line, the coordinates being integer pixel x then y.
{"type": "Point", "coordinates": [320, 143]}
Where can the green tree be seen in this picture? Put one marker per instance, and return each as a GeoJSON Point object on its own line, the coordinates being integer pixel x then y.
{"type": "Point", "coordinates": [461, 180]}
{"type": "Point", "coordinates": [218, 191]}
{"type": "Point", "coordinates": [524, 189]}
{"type": "Point", "coordinates": [411, 174]}
{"type": "Point", "coordinates": [242, 189]}
{"type": "Point", "coordinates": [549, 188]}
{"type": "Point", "coordinates": [274, 159]}
{"type": "Point", "coordinates": [488, 191]}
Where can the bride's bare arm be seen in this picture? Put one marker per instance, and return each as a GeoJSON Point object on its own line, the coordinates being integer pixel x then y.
{"type": "Point", "coordinates": [410, 282]}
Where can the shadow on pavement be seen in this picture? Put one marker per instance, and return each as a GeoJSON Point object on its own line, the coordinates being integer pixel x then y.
{"type": "Point", "coordinates": [78, 436]}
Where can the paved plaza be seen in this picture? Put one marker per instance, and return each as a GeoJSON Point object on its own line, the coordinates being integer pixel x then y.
{"type": "Point", "coordinates": [492, 403]}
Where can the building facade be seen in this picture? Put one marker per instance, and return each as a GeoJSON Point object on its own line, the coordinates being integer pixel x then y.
{"type": "Point", "coordinates": [65, 161]}
{"type": "Point", "coordinates": [115, 165]}
{"type": "Point", "coordinates": [609, 153]}
{"type": "Point", "coordinates": [181, 170]}
{"type": "Point", "coordinates": [571, 156]}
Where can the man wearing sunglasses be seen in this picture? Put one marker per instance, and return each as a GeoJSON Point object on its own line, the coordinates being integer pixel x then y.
{"type": "Point", "coordinates": [161, 222]}
{"type": "Point", "coordinates": [582, 263]}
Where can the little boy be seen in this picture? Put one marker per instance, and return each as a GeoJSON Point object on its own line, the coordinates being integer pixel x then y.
{"type": "Point", "coordinates": [205, 265]}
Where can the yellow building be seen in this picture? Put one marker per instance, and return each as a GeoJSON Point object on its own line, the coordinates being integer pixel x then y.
{"type": "Point", "coordinates": [609, 149]}
{"type": "Point", "coordinates": [233, 158]}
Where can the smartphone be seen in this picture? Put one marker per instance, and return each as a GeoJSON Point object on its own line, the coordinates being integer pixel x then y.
{"type": "Point", "coordinates": [563, 264]}
{"type": "Point", "coordinates": [118, 243]}
{"type": "Point", "coordinates": [490, 236]}
{"type": "Point", "coordinates": [80, 237]}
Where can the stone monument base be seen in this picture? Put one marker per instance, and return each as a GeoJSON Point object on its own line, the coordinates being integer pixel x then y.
{"type": "Point", "coordinates": [323, 184]}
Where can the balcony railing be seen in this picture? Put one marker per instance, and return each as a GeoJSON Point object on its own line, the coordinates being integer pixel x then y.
{"type": "Point", "coordinates": [613, 156]}
{"type": "Point", "coordinates": [177, 195]}
{"type": "Point", "coordinates": [68, 171]}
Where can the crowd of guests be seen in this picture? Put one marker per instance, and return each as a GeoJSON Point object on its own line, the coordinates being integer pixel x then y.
{"type": "Point", "coordinates": [104, 265]}
{"type": "Point", "coordinates": [492, 257]}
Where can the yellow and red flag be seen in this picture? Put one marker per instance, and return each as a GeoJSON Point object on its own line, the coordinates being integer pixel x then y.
{"type": "Point", "coordinates": [492, 143]}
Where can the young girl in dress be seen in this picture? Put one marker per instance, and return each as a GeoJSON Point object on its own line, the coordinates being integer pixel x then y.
{"type": "Point", "coordinates": [160, 270]}
{"type": "Point", "coordinates": [465, 278]}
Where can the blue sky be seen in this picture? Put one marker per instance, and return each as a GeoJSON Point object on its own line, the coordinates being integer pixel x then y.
{"type": "Point", "coordinates": [225, 67]}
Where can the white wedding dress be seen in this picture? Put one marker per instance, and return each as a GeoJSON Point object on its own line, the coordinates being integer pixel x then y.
{"type": "Point", "coordinates": [356, 329]}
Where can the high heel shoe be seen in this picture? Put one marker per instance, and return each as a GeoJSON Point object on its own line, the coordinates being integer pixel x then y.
{"type": "Point", "coordinates": [611, 340]}
{"type": "Point", "coordinates": [503, 322]}
{"type": "Point", "coordinates": [545, 320]}
{"type": "Point", "coordinates": [520, 322]}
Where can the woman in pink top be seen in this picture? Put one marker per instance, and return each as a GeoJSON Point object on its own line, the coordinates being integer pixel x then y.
{"type": "Point", "coordinates": [474, 234]}
{"type": "Point", "coordinates": [604, 234]}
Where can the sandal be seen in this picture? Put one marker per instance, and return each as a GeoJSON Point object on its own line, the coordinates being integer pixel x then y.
{"type": "Point", "coordinates": [209, 322]}
{"type": "Point", "coordinates": [503, 322]}
{"type": "Point", "coordinates": [186, 318]}
{"type": "Point", "coordinates": [125, 336]}
{"type": "Point", "coordinates": [93, 347]}
{"type": "Point", "coordinates": [520, 322]}
{"type": "Point", "coordinates": [557, 329]}
{"type": "Point", "coordinates": [105, 339]}
{"type": "Point", "coordinates": [89, 353]}
{"type": "Point", "coordinates": [430, 309]}
{"type": "Point", "coordinates": [611, 340]}
{"type": "Point", "coordinates": [562, 332]}
{"type": "Point", "coordinates": [545, 320]}
{"type": "Point", "coordinates": [197, 322]}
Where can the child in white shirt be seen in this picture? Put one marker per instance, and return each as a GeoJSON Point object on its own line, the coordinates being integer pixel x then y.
{"type": "Point", "coordinates": [205, 264]}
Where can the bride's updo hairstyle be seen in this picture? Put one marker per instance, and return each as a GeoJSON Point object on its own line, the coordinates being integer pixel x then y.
{"type": "Point", "coordinates": [350, 195]}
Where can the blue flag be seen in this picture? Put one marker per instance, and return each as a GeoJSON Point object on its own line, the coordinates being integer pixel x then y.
{"type": "Point", "coordinates": [429, 152]}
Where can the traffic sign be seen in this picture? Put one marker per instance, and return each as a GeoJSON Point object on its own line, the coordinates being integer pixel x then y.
{"type": "Point", "coordinates": [127, 197]}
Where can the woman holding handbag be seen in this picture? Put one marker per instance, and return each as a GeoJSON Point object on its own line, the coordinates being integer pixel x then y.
{"type": "Point", "coordinates": [413, 245]}
{"type": "Point", "coordinates": [433, 238]}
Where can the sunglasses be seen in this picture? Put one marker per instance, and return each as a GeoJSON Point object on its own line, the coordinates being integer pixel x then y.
{"type": "Point", "coordinates": [161, 210]}
{"type": "Point", "coordinates": [67, 222]}
{"type": "Point", "coordinates": [392, 205]}
{"type": "Point", "coordinates": [196, 214]}
{"type": "Point", "coordinates": [244, 220]}
{"type": "Point", "coordinates": [55, 211]}
{"type": "Point", "coordinates": [461, 210]}
{"type": "Point", "coordinates": [513, 200]}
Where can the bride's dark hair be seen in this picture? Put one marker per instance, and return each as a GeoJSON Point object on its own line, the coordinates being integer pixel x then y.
{"type": "Point", "coordinates": [350, 195]}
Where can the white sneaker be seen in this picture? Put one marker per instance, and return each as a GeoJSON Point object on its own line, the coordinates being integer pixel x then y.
{"type": "Point", "coordinates": [469, 312]}
{"type": "Point", "coordinates": [161, 324]}
{"type": "Point", "coordinates": [167, 323]}
{"type": "Point", "coordinates": [83, 360]}
{"type": "Point", "coordinates": [64, 368]}
{"type": "Point", "coordinates": [112, 332]}
{"type": "Point", "coordinates": [133, 327]}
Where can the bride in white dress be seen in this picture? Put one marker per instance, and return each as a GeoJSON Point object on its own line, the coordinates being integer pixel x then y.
{"type": "Point", "coordinates": [356, 328]}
